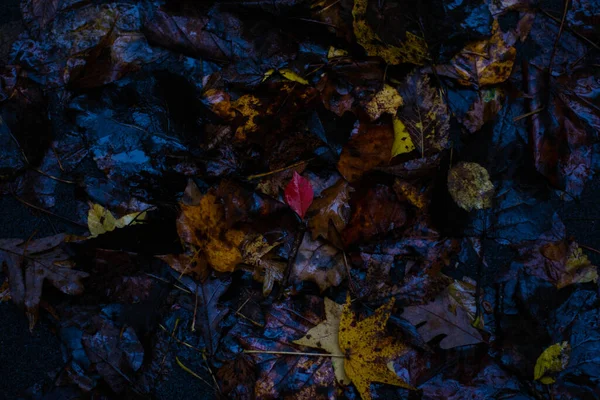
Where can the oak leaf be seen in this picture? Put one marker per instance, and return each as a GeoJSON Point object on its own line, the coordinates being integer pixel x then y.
{"type": "Point", "coordinates": [424, 115]}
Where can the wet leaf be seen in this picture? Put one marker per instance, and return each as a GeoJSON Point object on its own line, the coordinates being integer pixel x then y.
{"type": "Point", "coordinates": [100, 220]}
{"type": "Point", "coordinates": [31, 263]}
{"type": "Point", "coordinates": [332, 206]}
{"type": "Point", "coordinates": [299, 194]}
{"type": "Point", "coordinates": [319, 262]}
{"type": "Point", "coordinates": [470, 186]}
{"type": "Point", "coordinates": [368, 349]}
{"type": "Point", "coordinates": [385, 101]}
{"type": "Point", "coordinates": [553, 360]}
{"type": "Point", "coordinates": [402, 140]}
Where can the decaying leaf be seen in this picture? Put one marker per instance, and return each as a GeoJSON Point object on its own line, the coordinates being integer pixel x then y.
{"type": "Point", "coordinates": [265, 269]}
{"type": "Point", "coordinates": [470, 186]}
{"type": "Point", "coordinates": [203, 225]}
{"type": "Point", "coordinates": [326, 336]}
{"type": "Point", "coordinates": [368, 350]}
{"type": "Point", "coordinates": [484, 109]}
{"type": "Point", "coordinates": [193, 264]}
{"type": "Point", "coordinates": [385, 101]}
{"type": "Point", "coordinates": [299, 194]}
{"type": "Point", "coordinates": [332, 206]}
{"type": "Point", "coordinates": [412, 50]}
{"type": "Point", "coordinates": [553, 360]}
{"type": "Point", "coordinates": [100, 220]}
{"type": "Point", "coordinates": [319, 262]}
{"type": "Point", "coordinates": [424, 115]}
{"type": "Point", "coordinates": [449, 315]}
{"type": "Point", "coordinates": [31, 263]}
{"type": "Point", "coordinates": [402, 141]}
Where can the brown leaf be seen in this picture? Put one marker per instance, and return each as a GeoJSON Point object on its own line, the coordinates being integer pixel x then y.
{"type": "Point", "coordinates": [377, 212]}
{"type": "Point", "coordinates": [484, 109]}
{"type": "Point", "coordinates": [333, 206]}
{"type": "Point", "coordinates": [425, 114]}
{"type": "Point", "coordinates": [318, 262]}
{"type": "Point", "coordinates": [368, 148]}
{"type": "Point", "coordinates": [31, 263]}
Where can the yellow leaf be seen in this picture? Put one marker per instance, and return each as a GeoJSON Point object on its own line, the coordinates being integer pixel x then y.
{"type": "Point", "coordinates": [292, 76]}
{"type": "Point", "coordinates": [333, 52]}
{"type": "Point", "coordinates": [470, 186]}
{"type": "Point", "coordinates": [386, 101]}
{"type": "Point", "coordinates": [413, 50]}
{"type": "Point", "coordinates": [553, 360]}
{"type": "Point", "coordinates": [101, 220]}
{"type": "Point", "coordinates": [368, 349]}
{"type": "Point", "coordinates": [203, 225]}
{"type": "Point", "coordinates": [579, 269]}
{"type": "Point", "coordinates": [402, 141]}
{"type": "Point", "coordinates": [325, 336]}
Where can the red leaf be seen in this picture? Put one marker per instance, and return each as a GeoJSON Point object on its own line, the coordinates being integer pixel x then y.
{"type": "Point", "coordinates": [299, 194]}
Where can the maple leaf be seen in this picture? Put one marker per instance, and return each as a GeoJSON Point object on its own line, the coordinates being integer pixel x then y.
{"type": "Point", "coordinates": [412, 50]}
{"type": "Point", "coordinates": [202, 223]}
{"type": "Point", "coordinates": [368, 350]}
{"type": "Point", "coordinates": [100, 220]}
{"type": "Point", "coordinates": [319, 262]}
{"type": "Point", "coordinates": [326, 336]}
{"type": "Point", "coordinates": [424, 115]}
{"type": "Point", "coordinates": [447, 314]}
{"type": "Point", "coordinates": [332, 206]}
{"type": "Point", "coordinates": [470, 186]}
{"type": "Point", "coordinates": [30, 263]}
{"type": "Point", "coordinates": [299, 194]}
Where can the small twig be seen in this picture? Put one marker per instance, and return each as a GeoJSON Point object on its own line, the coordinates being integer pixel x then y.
{"type": "Point", "coordinates": [48, 212]}
{"type": "Point", "coordinates": [293, 254]}
{"type": "Point", "coordinates": [166, 281]}
{"type": "Point", "coordinates": [589, 248]}
{"type": "Point", "coordinates": [252, 177]}
{"type": "Point", "coordinates": [189, 371]}
{"type": "Point", "coordinates": [293, 353]}
{"type": "Point", "coordinates": [314, 21]}
{"type": "Point", "coordinates": [520, 117]}
{"type": "Point", "coordinates": [210, 372]}
{"type": "Point", "coordinates": [171, 336]}
{"type": "Point", "coordinates": [560, 31]}
{"type": "Point", "coordinates": [193, 328]}
{"type": "Point", "coordinates": [39, 171]}
{"type": "Point", "coordinates": [579, 35]}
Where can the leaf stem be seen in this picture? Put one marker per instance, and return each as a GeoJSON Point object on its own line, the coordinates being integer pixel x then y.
{"type": "Point", "coordinates": [293, 353]}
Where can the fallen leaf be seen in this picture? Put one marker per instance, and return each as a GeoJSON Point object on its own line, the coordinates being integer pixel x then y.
{"type": "Point", "coordinates": [385, 101]}
{"type": "Point", "coordinates": [326, 336]}
{"type": "Point", "coordinates": [100, 220]}
{"type": "Point", "coordinates": [424, 115]}
{"type": "Point", "coordinates": [367, 149]}
{"type": "Point", "coordinates": [318, 262]}
{"type": "Point", "coordinates": [553, 360]}
{"type": "Point", "coordinates": [442, 316]}
{"type": "Point", "coordinates": [402, 141]}
{"type": "Point", "coordinates": [264, 269]}
{"type": "Point", "coordinates": [332, 206]}
{"type": "Point", "coordinates": [31, 263]}
{"type": "Point", "coordinates": [412, 50]}
{"type": "Point", "coordinates": [368, 350]}
{"type": "Point", "coordinates": [299, 194]}
{"type": "Point", "coordinates": [203, 225]}
{"type": "Point", "coordinates": [484, 109]}
{"type": "Point", "coordinates": [470, 186]}
{"type": "Point", "coordinates": [193, 264]}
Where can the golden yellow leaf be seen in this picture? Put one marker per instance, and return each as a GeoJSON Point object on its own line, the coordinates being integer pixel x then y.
{"type": "Point", "coordinates": [553, 360]}
{"type": "Point", "coordinates": [368, 349]}
{"type": "Point", "coordinates": [325, 336]}
{"type": "Point", "coordinates": [402, 141]}
{"type": "Point", "coordinates": [411, 193]}
{"type": "Point", "coordinates": [101, 220]}
{"type": "Point", "coordinates": [579, 269]}
{"type": "Point", "coordinates": [333, 52]}
{"type": "Point", "coordinates": [248, 106]}
{"type": "Point", "coordinates": [386, 101]}
{"type": "Point", "coordinates": [470, 186]}
{"type": "Point", "coordinates": [292, 76]}
{"type": "Point", "coordinates": [203, 225]}
{"type": "Point", "coordinates": [413, 50]}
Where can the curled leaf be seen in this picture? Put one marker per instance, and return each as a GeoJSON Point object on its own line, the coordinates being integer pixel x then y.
{"type": "Point", "coordinates": [101, 220]}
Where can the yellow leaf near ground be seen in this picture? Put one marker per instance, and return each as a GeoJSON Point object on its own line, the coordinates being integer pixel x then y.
{"type": "Point", "coordinates": [470, 186]}
{"type": "Point", "coordinates": [333, 52]}
{"type": "Point", "coordinates": [292, 76]}
{"type": "Point", "coordinates": [553, 360]}
{"type": "Point", "coordinates": [368, 349]}
{"type": "Point", "coordinates": [101, 220]}
{"type": "Point", "coordinates": [579, 269]}
{"type": "Point", "coordinates": [402, 141]}
{"type": "Point", "coordinates": [412, 50]}
{"type": "Point", "coordinates": [386, 101]}
{"type": "Point", "coordinates": [203, 225]}
{"type": "Point", "coordinates": [325, 336]}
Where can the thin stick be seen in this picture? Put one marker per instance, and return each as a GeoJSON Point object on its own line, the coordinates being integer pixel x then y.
{"type": "Point", "coordinates": [39, 171]}
{"type": "Point", "coordinates": [589, 248]}
{"type": "Point", "coordinates": [560, 31]}
{"type": "Point", "coordinates": [520, 117]}
{"type": "Point", "coordinates": [293, 353]}
{"type": "Point", "coordinates": [195, 310]}
{"type": "Point", "coordinates": [189, 371]}
{"type": "Point", "coordinates": [48, 212]}
{"type": "Point", "coordinates": [579, 35]}
{"type": "Point", "coordinates": [251, 177]}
